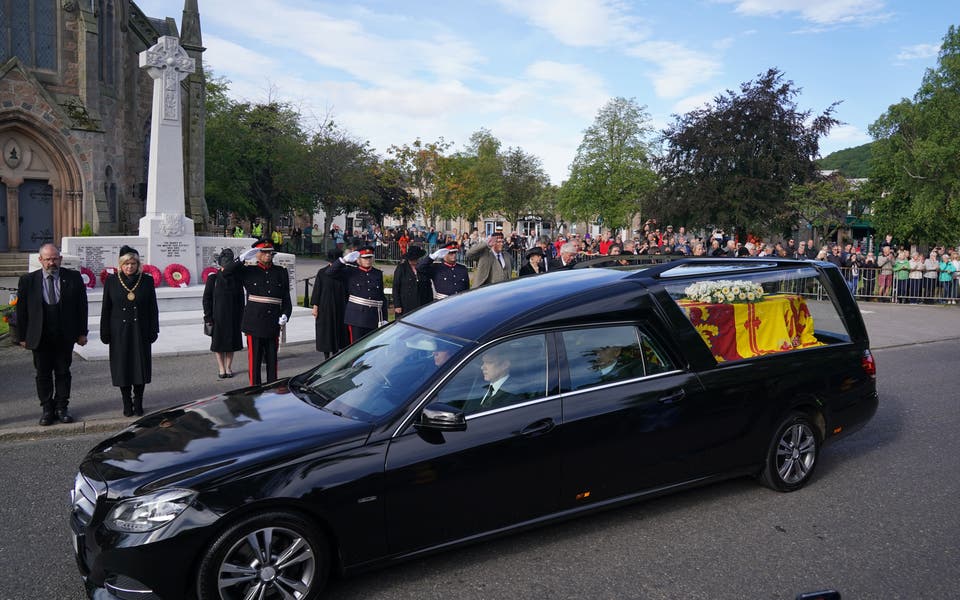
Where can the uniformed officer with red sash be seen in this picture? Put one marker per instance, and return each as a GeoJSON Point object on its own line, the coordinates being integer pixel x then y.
{"type": "Point", "coordinates": [366, 304]}
{"type": "Point", "coordinates": [268, 307]}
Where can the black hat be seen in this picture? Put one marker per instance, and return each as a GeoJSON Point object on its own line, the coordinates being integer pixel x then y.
{"type": "Point", "coordinates": [263, 245]}
{"type": "Point", "coordinates": [366, 251]}
{"type": "Point", "coordinates": [124, 250]}
{"type": "Point", "coordinates": [334, 254]}
{"type": "Point", "coordinates": [535, 251]}
{"type": "Point", "coordinates": [413, 253]}
{"type": "Point", "coordinates": [452, 246]}
{"type": "Point", "coordinates": [224, 258]}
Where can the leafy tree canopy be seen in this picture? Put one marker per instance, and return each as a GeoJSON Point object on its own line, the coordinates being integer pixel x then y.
{"type": "Point", "coordinates": [611, 173]}
{"type": "Point", "coordinates": [734, 162]}
{"type": "Point", "coordinates": [253, 155]}
{"type": "Point", "coordinates": [916, 156]}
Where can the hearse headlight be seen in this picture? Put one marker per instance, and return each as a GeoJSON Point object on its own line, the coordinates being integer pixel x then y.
{"type": "Point", "coordinates": [146, 513]}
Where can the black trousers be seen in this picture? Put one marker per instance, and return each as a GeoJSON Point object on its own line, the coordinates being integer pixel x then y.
{"type": "Point", "coordinates": [52, 360]}
{"type": "Point", "coordinates": [259, 351]}
{"type": "Point", "coordinates": [358, 333]}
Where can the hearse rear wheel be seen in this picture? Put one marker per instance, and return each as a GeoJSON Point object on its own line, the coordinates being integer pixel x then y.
{"type": "Point", "coordinates": [792, 455]}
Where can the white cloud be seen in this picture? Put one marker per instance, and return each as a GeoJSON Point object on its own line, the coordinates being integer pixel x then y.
{"type": "Point", "coordinates": [918, 52]}
{"type": "Point", "coordinates": [241, 61]}
{"type": "Point", "coordinates": [580, 22]}
{"type": "Point", "coordinates": [678, 69]}
{"type": "Point", "coordinates": [819, 12]}
{"type": "Point", "coordinates": [578, 89]}
{"type": "Point", "coordinates": [345, 44]}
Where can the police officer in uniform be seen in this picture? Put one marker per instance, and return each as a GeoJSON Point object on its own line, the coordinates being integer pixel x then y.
{"type": "Point", "coordinates": [268, 307]}
{"type": "Point", "coordinates": [448, 276]}
{"type": "Point", "coordinates": [366, 304]}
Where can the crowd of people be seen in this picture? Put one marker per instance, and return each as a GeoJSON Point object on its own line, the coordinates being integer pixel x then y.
{"type": "Point", "coordinates": [349, 299]}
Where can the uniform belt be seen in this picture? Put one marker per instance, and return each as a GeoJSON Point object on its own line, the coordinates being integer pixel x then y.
{"type": "Point", "coordinates": [365, 301]}
{"type": "Point", "coordinates": [264, 299]}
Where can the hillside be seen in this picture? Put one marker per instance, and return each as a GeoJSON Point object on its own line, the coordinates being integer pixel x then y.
{"type": "Point", "coordinates": [853, 163]}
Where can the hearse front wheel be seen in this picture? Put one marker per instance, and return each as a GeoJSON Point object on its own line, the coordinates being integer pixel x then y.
{"type": "Point", "coordinates": [272, 555]}
{"type": "Point", "coordinates": [792, 455]}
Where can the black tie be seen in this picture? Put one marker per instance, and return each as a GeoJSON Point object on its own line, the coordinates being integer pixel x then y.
{"type": "Point", "coordinates": [51, 290]}
{"type": "Point", "coordinates": [486, 397]}
{"type": "Point", "coordinates": [500, 260]}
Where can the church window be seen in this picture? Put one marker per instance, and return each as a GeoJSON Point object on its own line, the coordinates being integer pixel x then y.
{"type": "Point", "coordinates": [105, 44]}
{"type": "Point", "coordinates": [28, 30]}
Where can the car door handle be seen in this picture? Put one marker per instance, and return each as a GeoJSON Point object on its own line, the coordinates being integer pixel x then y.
{"type": "Point", "coordinates": [537, 428]}
{"type": "Point", "coordinates": [674, 397]}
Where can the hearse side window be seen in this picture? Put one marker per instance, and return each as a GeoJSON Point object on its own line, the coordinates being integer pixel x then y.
{"type": "Point", "coordinates": [507, 373]}
{"type": "Point", "coordinates": [601, 355]}
{"type": "Point", "coordinates": [742, 316]}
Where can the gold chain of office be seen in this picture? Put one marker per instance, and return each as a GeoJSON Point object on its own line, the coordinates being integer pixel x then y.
{"type": "Point", "coordinates": [130, 295]}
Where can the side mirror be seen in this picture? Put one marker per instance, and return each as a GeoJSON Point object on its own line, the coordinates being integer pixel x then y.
{"type": "Point", "coordinates": [442, 417]}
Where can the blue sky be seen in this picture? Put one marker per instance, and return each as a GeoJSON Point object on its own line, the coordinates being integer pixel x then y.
{"type": "Point", "coordinates": [535, 72]}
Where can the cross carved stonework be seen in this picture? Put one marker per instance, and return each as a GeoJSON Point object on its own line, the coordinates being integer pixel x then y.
{"type": "Point", "coordinates": [168, 64]}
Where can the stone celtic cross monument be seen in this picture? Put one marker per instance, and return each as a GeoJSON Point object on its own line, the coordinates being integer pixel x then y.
{"type": "Point", "coordinates": [169, 233]}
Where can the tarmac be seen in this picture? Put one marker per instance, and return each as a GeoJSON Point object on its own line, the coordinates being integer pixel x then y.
{"type": "Point", "coordinates": [181, 374]}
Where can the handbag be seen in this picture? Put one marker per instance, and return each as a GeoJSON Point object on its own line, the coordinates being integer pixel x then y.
{"type": "Point", "coordinates": [207, 328]}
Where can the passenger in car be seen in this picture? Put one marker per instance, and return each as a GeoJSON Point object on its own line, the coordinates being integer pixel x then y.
{"type": "Point", "coordinates": [495, 367]}
{"type": "Point", "coordinates": [616, 363]}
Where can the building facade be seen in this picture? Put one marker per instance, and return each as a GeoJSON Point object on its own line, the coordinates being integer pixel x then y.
{"type": "Point", "coordinates": [75, 118]}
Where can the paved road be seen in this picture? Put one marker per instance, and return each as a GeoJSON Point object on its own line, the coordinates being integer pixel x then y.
{"type": "Point", "coordinates": [878, 521]}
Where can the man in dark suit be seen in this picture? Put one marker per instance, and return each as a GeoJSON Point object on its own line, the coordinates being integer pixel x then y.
{"type": "Point", "coordinates": [495, 367]}
{"type": "Point", "coordinates": [51, 318]}
{"type": "Point", "coordinates": [568, 257]}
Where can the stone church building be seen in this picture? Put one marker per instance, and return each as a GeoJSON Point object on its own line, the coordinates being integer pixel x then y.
{"type": "Point", "coordinates": [75, 118]}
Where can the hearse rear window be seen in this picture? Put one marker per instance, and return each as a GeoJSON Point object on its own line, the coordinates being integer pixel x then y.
{"type": "Point", "coordinates": [741, 316]}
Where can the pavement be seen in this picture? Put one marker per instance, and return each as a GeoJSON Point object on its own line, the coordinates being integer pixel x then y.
{"type": "Point", "coordinates": [183, 372]}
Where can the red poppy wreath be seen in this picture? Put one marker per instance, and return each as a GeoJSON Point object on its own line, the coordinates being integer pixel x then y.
{"type": "Point", "coordinates": [176, 275]}
{"type": "Point", "coordinates": [206, 273]}
{"type": "Point", "coordinates": [154, 272]}
{"type": "Point", "coordinates": [106, 273]}
{"type": "Point", "coordinates": [89, 279]}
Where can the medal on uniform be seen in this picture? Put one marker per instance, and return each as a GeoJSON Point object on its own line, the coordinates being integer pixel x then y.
{"type": "Point", "coordinates": [131, 296]}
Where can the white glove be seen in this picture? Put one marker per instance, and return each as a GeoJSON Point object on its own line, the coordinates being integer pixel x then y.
{"type": "Point", "coordinates": [440, 253]}
{"type": "Point", "coordinates": [351, 257]}
{"type": "Point", "coordinates": [249, 254]}
{"type": "Point", "coordinates": [283, 320]}
{"type": "Point", "coordinates": [382, 323]}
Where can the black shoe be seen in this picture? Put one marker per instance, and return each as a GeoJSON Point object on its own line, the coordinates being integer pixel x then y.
{"type": "Point", "coordinates": [46, 419]}
{"type": "Point", "coordinates": [127, 411]}
{"type": "Point", "coordinates": [64, 416]}
{"type": "Point", "coordinates": [228, 374]}
{"type": "Point", "coordinates": [222, 376]}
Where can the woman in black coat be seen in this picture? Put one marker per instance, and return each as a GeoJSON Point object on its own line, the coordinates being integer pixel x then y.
{"type": "Point", "coordinates": [410, 289]}
{"type": "Point", "coordinates": [129, 324]}
{"type": "Point", "coordinates": [223, 309]}
{"type": "Point", "coordinates": [329, 300]}
{"type": "Point", "coordinates": [533, 265]}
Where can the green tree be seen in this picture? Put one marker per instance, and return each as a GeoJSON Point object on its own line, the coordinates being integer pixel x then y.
{"type": "Point", "coordinates": [611, 174]}
{"type": "Point", "coordinates": [415, 164]}
{"type": "Point", "coordinates": [523, 181]}
{"type": "Point", "coordinates": [734, 162]}
{"type": "Point", "coordinates": [826, 202]}
{"type": "Point", "coordinates": [916, 156]}
{"type": "Point", "coordinates": [254, 153]}
{"type": "Point", "coordinates": [339, 173]}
